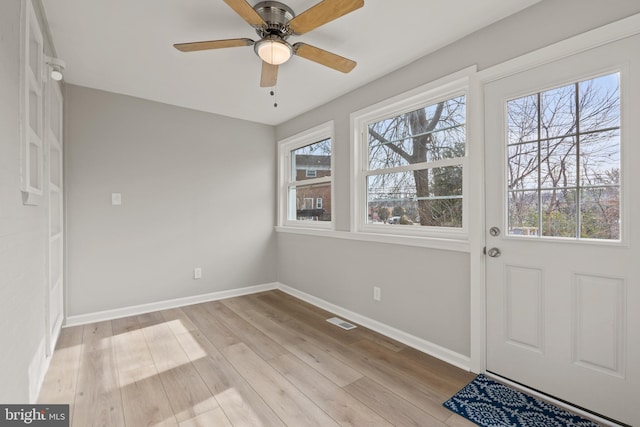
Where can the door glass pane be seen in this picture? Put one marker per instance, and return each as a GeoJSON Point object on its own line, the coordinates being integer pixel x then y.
{"type": "Point", "coordinates": [563, 161]}
{"type": "Point", "coordinates": [523, 166]}
{"type": "Point", "coordinates": [600, 213]}
{"type": "Point", "coordinates": [558, 213]}
{"type": "Point", "coordinates": [600, 158]}
{"type": "Point", "coordinates": [523, 119]}
{"type": "Point", "coordinates": [599, 103]}
{"type": "Point", "coordinates": [524, 213]}
{"type": "Point", "coordinates": [558, 162]}
{"type": "Point", "coordinates": [558, 112]}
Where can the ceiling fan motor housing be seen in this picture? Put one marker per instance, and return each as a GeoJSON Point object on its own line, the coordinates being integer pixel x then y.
{"type": "Point", "coordinates": [276, 15]}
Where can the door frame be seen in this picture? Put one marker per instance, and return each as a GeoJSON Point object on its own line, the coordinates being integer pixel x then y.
{"type": "Point", "coordinates": [609, 33]}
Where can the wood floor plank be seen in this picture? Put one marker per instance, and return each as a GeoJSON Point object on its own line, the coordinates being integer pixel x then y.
{"type": "Point", "coordinates": [97, 336]}
{"type": "Point", "coordinates": [144, 401]}
{"type": "Point", "coordinates": [357, 334]}
{"type": "Point", "coordinates": [361, 361]}
{"type": "Point", "coordinates": [150, 319]}
{"type": "Point", "coordinates": [187, 393]}
{"type": "Point", "coordinates": [295, 343]}
{"type": "Point", "coordinates": [166, 351]}
{"type": "Point", "coordinates": [340, 405]}
{"type": "Point", "coordinates": [250, 310]}
{"type": "Point", "coordinates": [457, 421]}
{"type": "Point", "coordinates": [125, 324]}
{"type": "Point", "coordinates": [266, 359]}
{"type": "Point", "coordinates": [133, 358]}
{"type": "Point", "coordinates": [215, 418]}
{"type": "Point", "coordinates": [239, 401]}
{"type": "Point", "coordinates": [393, 408]}
{"type": "Point", "coordinates": [255, 339]}
{"type": "Point", "coordinates": [219, 334]}
{"type": "Point", "coordinates": [59, 384]}
{"type": "Point", "coordinates": [97, 401]}
{"type": "Point", "coordinates": [287, 402]}
{"type": "Point", "coordinates": [440, 367]}
{"type": "Point", "coordinates": [145, 404]}
{"type": "Point", "coordinates": [433, 384]}
{"type": "Point", "coordinates": [314, 318]}
{"type": "Point", "coordinates": [177, 320]}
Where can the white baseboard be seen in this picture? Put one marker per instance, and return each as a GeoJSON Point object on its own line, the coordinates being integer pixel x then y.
{"type": "Point", "coordinates": [456, 359]}
{"type": "Point", "coordinates": [83, 319]}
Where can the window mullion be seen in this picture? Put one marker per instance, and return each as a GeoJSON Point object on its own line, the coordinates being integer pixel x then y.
{"type": "Point", "coordinates": [456, 161]}
{"type": "Point", "coordinates": [311, 182]}
{"type": "Point", "coordinates": [578, 185]}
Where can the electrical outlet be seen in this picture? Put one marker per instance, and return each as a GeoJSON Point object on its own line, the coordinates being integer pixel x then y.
{"type": "Point", "coordinates": [197, 273]}
{"type": "Point", "coordinates": [376, 293]}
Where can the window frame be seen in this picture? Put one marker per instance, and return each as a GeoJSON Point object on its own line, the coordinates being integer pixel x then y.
{"type": "Point", "coordinates": [285, 147]}
{"type": "Point", "coordinates": [456, 84]}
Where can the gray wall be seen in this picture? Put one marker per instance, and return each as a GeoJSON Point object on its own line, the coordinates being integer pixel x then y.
{"type": "Point", "coordinates": [198, 190]}
{"type": "Point", "coordinates": [22, 235]}
{"type": "Point", "coordinates": [424, 292]}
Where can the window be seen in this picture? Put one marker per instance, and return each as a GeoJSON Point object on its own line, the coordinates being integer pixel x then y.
{"type": "Point", "coordinates": [563, 161]}
{"type": "Point", "coordinates": [307, 203]}
{"type": "Point", "coordinates": [306, 185]}
{"type": "Point", "coordinates": [409, 164]}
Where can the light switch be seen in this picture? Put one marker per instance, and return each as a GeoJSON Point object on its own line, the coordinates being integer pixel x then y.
{"type": "Point", "coordinates": [116, 199]}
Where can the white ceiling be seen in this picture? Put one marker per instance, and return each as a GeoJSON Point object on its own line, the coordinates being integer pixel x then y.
{"type": "Point", "coordinates": [126, 47]}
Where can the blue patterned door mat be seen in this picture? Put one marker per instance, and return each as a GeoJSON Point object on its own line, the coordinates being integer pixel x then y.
{"type": "Point", "coordinates": [491, 404]}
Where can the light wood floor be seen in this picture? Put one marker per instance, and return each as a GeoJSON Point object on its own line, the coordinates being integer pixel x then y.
{"type": "Point", "coordinates": [266, 359]}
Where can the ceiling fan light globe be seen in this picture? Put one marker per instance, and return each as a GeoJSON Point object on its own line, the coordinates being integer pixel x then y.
{"type": "Point", "coordinates": [274, 52]}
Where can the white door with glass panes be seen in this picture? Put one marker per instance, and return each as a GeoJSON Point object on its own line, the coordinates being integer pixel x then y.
{"type": "Point", "coordinates": [54, 186]}
{"type": "Point", "coordinates": [563, 229]}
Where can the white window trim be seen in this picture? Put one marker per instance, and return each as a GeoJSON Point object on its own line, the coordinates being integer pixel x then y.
{"type": "Point", "coordinates": [456, 84]}
{"type": "Point", "coordinates": [285, 146]}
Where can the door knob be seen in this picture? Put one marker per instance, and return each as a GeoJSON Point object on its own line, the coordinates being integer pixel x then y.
{"type": "Point", "coordinates": [494, 252]}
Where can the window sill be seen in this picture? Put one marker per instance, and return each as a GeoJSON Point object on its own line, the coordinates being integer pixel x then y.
{"type": "Point", "coordinates": [394, 239]}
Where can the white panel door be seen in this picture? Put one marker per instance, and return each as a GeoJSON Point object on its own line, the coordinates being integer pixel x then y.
{"type": "Point", "coordinates": [563, 264]}
{"type": "Point", "coordinates": [54, 186]}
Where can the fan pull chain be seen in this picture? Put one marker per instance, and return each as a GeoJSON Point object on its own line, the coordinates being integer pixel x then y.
{"type": "Point", "coordinates": [275, 103]}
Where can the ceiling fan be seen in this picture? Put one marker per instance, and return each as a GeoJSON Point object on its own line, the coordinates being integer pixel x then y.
{"type": "Point", "coordinates": [275, 22]}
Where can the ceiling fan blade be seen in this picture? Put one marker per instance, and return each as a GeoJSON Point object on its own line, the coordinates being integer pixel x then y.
{"type": "Point", "coordinates": [247, 12]}
{"type": "Point", "coordinates": [269, 75]}
{"type": "Point", "coordinates": [321, 13]}
{"type": "Point", "coordinates": [212, 44]}
{"type": "Point", "coordinates": [324, 57]}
